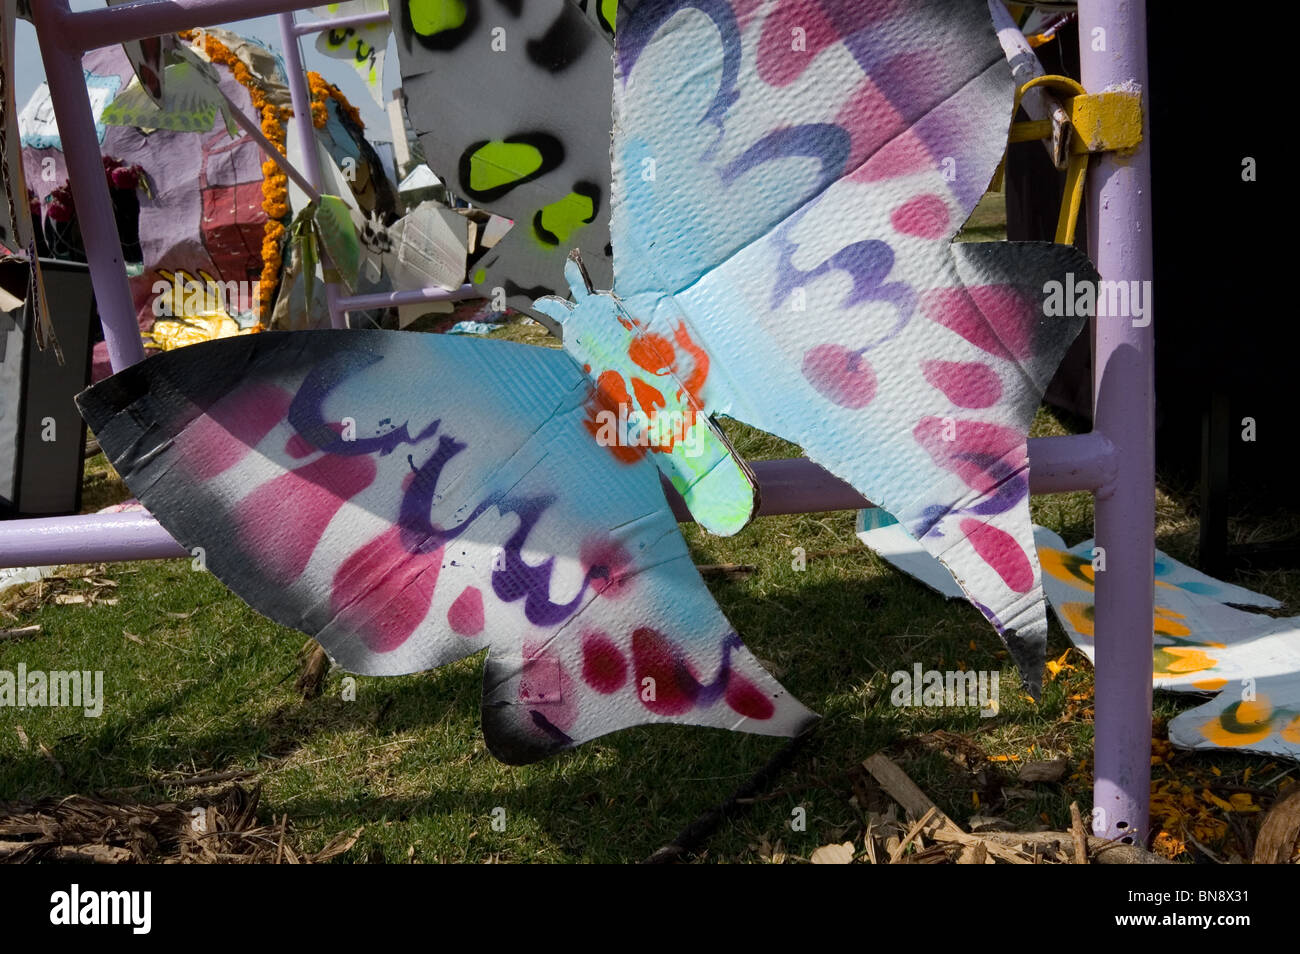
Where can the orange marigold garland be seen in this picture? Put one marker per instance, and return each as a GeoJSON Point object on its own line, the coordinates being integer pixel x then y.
{"type": "Point", "coordinates": [275, 184]}
{"type": "Point", "coordinates": [321, 90]}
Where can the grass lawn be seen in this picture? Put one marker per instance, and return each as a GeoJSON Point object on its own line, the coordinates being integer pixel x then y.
{"type": "Point", "coordinates": [196, 682]}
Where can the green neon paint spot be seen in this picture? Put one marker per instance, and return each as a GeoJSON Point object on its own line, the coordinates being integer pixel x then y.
{"type": "Point", "coordinates": [609, 11]}
{"type": "Point", "coordinates": [561, 219]}
{"type": "Point", "coordinates": [496, 163]}
{"type": "Point", "coordinates": [435, 16]}
{"type": "Point", "coordinates": [480, 276]}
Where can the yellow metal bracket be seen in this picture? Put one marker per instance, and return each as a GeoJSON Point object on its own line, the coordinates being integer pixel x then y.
{"type": "Point", "coordinates": [1093, 123]}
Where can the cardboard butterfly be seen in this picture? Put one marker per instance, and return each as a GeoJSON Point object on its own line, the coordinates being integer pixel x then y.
{"type": "Point", "coordinates": [782, 238]}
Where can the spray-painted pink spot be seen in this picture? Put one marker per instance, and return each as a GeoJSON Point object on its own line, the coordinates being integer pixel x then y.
{"type": "Point", "coordinates": [747, 699]}
{"type": "Point", "coordinates": [983, 455]}
{"type": "Point", "coordinates": [612, 565]}
{"type": "Point", "coordinates": [995, 318]}
{"type": "Point", "coordinates": [966, 383]}
{"type": "Point", "coordinates": [783, 54]}
{"type": "Point", "coordinates": [1000, 550]}
{"type": "Point", "coordinates": [903, 155]}
{"type": "Point", "coordinates": [382, 592]}
{"type": "Point", "coordinates": [298, 447]}
{"type": "Point", "coordinates": [465, 615]}
{"type": "Point", "coordinates": [654, 657]}
{"type": "Point", "coordinates": [841, 376]}
{"type": "Point", "coordinates": [603, 665]}
{"type": "Point", "coordinates": [228, 430]}
{"type": "Point", "coordinates": [871, 121]}
{"type": "Point", "coordinates": [926, 217]}
{"type": "Point", "coordinates": [280, 523]}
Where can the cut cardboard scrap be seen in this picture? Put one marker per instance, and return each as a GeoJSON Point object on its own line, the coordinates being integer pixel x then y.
{"type": "Point", "coordinates": [1260, 716]}
{"type": "Point", "coordinates": [881, 532]}
{"type": "Point", "coordinates": [17, 235]}
{"type": "Point", "coordinates": [411, 499]}
{"type": "Point", "coordinates": [340, 248]}
{"type": "Point", "coordinates": [191, 98]}
{"type": "Point", "coordinates": [791, 216]}
{"type": "Point", "coordinates": [147, 60]}
{"type": "Point", "coordinates": [426, 248]}
{"type": "Point", "coordinates": [511, 103]}
{"type": "Point", "coordinates": [1201, 644]}
{"type": "Point", "coordinates": [362, 46]}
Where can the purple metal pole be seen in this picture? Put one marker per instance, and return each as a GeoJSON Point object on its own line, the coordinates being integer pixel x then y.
{"type": "Point", "coordinates": [91, 29]}
{"type": "Point", "coordinates": [92, 538]}
{"type": "Point", "coordinates": [309, 27]}
{"type": "Point", "coordinates": [1119, 226]}
{"type": "Point", "coordinates": [89, 186]}
{"type": "Point", "coordinates": [254, 131]}
{"type": "Point", "coordinates": [796, 485]}
{"type": "Point", "coordinates": [307, 139]}
{"type": "Point", "coordinates": [414, 296]}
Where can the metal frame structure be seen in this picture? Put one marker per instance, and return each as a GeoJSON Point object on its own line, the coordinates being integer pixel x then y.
{"type": "Point", "coordinates": [1115, 461]}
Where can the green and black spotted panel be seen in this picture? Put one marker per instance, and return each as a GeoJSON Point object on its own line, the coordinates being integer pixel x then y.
{"type": "Point", "coordinates": [511, 101]}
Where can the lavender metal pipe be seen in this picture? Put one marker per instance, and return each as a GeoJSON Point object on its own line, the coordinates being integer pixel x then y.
{"type": "Point", "coordinates": [310, 27]}
{"type": "Point", "coordinates": [411, 297]}
{"type": "Point", "coordinates": [91, 29]}
{"type": "Point", "coordinates": [785, 486]}
{"type": "Point", "coordinates": [89, 187]}
{"type": "Point", "coordinates": [307, 140]}
{"type": "Point", "coordinates": [254, 131]}
{"type": "Point", "coordinates": [92, 538]}
{"type": "Point", "coordinates": [1119, 212]}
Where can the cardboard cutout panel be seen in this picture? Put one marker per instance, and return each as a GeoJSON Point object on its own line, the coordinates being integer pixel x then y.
{"type": "Point", "coordinates": [362, 46]}
{"type": "Point", "coordinates": [1263, 717]}
{"type": "Point", "coordinates": [1201, 643]}
{"type": "Point", "coordinates": [511, 102]}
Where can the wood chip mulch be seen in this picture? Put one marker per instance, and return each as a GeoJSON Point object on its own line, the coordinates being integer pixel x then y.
{"type": "Point", "coordinates": [218, 829]}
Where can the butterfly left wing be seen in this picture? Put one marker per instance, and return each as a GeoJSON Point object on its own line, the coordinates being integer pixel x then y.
{"type": "Point", "coordinates": [411, 499]}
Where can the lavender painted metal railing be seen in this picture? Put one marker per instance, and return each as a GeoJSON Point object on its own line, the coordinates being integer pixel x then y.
{"type": "Point", "coordinates": [414, 297]}
{"type": "Point", "coordinates": [301, 100]}
{"type": "Point", "coordinates": [1119, 226]}
{"type": "Point", "coordinates": [1116, 461]}
{"type": "Point", "coordinates": [785, 486]}
{"type": "Point", "coordinates": [310, 27]}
